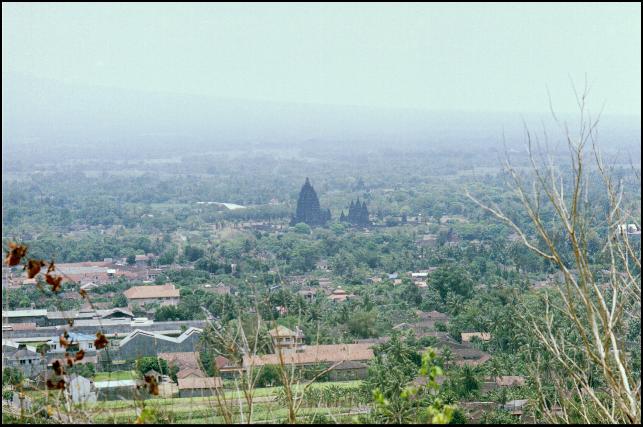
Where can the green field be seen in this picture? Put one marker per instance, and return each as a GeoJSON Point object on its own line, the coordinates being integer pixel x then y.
{"type": "Point", "coordinates": [206, 409]}
{"type": "Point", "coordinates": [182, 402]}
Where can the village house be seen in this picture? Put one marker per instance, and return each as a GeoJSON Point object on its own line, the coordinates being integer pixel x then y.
{"type": "Point", "coordinates": [166, 294]}
{"type": "Point", "coordinates": [77, 342]}
{"type": "Point", "coordinates": [189, 373]}
{"type": "Point", "coordinates": [340, 295]}
{"type": "Point", "coordinates": [284, 338]}
{"type": "Point", "coordinates": [184, 360]}
{"type": "Point", "coordinates": [23, 357]}
{"type": "Point", "coordinates": [199, 386]}
{"type": "Point", "coordinates": [143, 260]}
{"type": "Point", "coordinates": [225, 367]}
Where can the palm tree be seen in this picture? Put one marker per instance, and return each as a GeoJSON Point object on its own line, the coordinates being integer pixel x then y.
{"type": "Point", "coordinates": [495, 368]}
{"type": "Point", "coordinates": [468, 381]}
{"type": "Point", "coordinates": [447, 356]}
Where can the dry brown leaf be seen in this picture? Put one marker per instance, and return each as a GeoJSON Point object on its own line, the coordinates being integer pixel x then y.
{"type": "Point", "coordinates": [54, 282]}
{"type": "Point", "coordinates": [57, 367]}
{"type": "Point", "coordinates": [58, 385]}
{"type": "Point", "coordinates": [33, 267]}
{"type": "Point", "coordinates": [15, 254]}
{"type": "Point", "coordinates": [63, 340]}
{"type": "Point", "coordinates": [101, 341]}
{"type": "Point", "coordinates": [152, 385]}
{"type": "Point", "coordinates": [80, 354]}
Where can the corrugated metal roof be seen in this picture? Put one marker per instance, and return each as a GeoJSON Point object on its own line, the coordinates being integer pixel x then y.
{"type": "Point", "coordinates": [158, 336]}
{"type": "Point", "coordinates": [23, 313]}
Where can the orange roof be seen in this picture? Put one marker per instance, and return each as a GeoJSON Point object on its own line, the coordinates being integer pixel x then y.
{"type": "Point", "coordinates": [189, 372]}
{"type": "Point", "coordinates": [184, 359]}
{"type": "Point", "coordinates": [199, 383]}
{"type": "Point", "coordinates": [162, 291]}
{"type": "Point", "coordinates": [315, 354]}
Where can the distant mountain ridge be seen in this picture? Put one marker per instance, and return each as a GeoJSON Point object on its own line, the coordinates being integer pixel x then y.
{"type": "Point", "coordinates": [49, 112]}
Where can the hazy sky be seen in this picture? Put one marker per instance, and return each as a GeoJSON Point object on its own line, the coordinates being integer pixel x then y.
{"type": "Point", "coordinates": [494, 57]}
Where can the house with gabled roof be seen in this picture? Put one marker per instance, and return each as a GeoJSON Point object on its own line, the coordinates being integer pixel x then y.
{"type": "Point", "coordinates": [189, 372]}
{"type": "Point", "coordinates": [23, 357]}
{"type": "Point", "coordinates": [166, 294]}
{"type": "Point", "coordinates": [78, 341]}
{"type": "Point", "coordinates": [181, 360]}
{"type": "Point", "coordinates": [199, 386]}
{"type": "Point", "coordinates": [340, 295]}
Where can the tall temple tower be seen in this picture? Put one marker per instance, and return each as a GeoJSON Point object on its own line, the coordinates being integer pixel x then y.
{"type": "Point", "coordinates": [308, 209]}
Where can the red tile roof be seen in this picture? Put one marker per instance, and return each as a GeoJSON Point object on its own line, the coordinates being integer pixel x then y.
{"type": "Point", "coordinates": [315, 354]}
{"type": "Point", "coordinates": [142, 292]}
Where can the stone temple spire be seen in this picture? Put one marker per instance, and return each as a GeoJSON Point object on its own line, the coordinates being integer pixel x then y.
{"type": "Point", "coordinates": [308, 209]}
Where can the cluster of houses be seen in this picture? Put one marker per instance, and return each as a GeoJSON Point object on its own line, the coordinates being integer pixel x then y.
{"type": "Point", "coordinates": [93, 274]}
{"type": "Point", "coordinates": [464, 352]}
{"type": "Point", "coordinates": [348, 361]}
{"type": "Point", "coordinates": [140, 296]}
